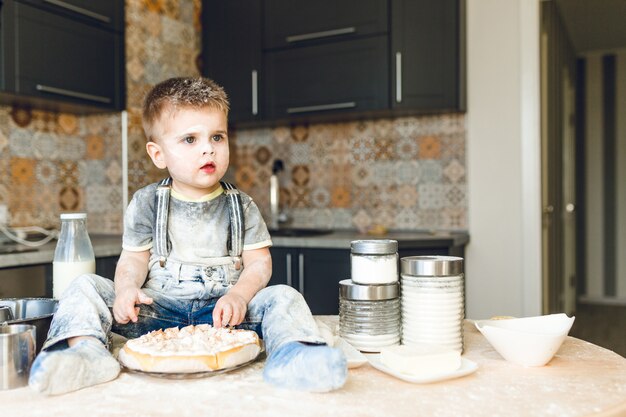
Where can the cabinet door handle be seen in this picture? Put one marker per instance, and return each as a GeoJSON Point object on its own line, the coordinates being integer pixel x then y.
{"type": "Point", "coordinates": [398, 77]}
{"type": "Point", "coordinates": [289, 279]}
{"type": "Point", "coordinates": [319, 35]}
{"type": "Point", "coordinates": [70, 93]}
{"type": "Point", "coordinates": [301, 272]}
{"type": "Point", "coordinates": [255, 93]}
{"type": "Point", "coordinates": [80, 10]}
{"type": "Point", "coordinates": [321, 107]}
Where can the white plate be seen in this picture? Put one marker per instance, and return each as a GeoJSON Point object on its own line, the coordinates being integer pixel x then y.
{"type": "Point", "coordinates": [467, 367]}
{"type": "Point", "coordinates": [353, 356]}
{"type": "Point", "coordinates": [371, 346]}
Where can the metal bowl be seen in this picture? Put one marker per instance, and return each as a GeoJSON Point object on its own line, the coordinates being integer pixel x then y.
{"type": "Point", "coordinates": [35, 311]}
{"type": "Point", "coordinates": [5, 314]}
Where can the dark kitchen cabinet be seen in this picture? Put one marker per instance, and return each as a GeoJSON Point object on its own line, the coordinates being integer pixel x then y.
{"type": "Point", "coordinates": [65, 55]}
{"type": "Point", "coordinates": [315, 272]}
{"type": "Point", "coordinates": [325, 57]}
{"type": "Point", "coordinates": [335, 77]}
{"type": "Point", "coordinates": [427, 54]}
{"type": "Point", "coordinates": [105, 266]}
{"type": "Point", "coordinates": [231, 50]}
{"type": "Point", "coordinates": [294, 23]}
{"type": "Point", "coordinates": [108, 14]}
{"type": "Point", "coordinates": [284, 61]}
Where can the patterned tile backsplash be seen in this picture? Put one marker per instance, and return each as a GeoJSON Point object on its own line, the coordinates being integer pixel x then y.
{"type": "Point", "coordinates": [404, 173]}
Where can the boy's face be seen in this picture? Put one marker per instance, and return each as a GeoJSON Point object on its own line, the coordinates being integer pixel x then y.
{"type": "Point", "coordinates": [193, 145]}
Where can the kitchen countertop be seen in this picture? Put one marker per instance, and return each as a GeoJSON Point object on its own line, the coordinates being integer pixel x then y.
{"type": "Point", "coordinates": [111, 245]}
{"type": "Point", "coordinates": [582, 380]}
{"type": "Point", "coordinates": [103, 245]}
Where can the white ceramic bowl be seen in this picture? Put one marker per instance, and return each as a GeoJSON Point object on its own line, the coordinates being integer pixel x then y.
{"type": "Point", "coordinates": [529, 341]}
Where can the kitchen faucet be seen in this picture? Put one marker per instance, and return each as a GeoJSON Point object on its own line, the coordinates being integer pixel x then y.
{"type": "Point", "coordinates": [277, 167]}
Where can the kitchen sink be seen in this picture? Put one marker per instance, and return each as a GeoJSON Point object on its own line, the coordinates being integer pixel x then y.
{"type": "Point", "coordinates": [295, 232]}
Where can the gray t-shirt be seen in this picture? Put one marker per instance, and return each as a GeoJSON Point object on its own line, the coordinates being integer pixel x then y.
{"type": "Point", "coordinates": [198, 230]}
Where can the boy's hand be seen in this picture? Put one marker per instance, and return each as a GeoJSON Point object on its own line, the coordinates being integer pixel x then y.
{"type": "Point", "coordinates": [124, 307]}
{"type": "Point", "coordinates": [230, 309]}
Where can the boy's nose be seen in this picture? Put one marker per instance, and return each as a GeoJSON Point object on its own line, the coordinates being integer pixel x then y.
{"type": "Point", "coordinates": [208, 148]}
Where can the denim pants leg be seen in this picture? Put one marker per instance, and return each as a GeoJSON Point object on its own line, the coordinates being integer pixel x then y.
{"type": "Point", "coordinates": [284, 316]}
{"type": "Point", "coordinates": [83, 310]}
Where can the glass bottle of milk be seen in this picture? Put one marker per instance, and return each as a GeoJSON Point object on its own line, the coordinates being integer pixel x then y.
{"type": "Point", "coordinates": [73, 255]}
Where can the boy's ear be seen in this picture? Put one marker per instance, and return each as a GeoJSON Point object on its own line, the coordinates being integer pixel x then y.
{"type": "Point", "coordinates": [154, 150]}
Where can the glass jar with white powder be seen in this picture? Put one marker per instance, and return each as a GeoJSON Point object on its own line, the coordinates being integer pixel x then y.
{"type": "Point", "coordinates": [374, 261]}
{"type": "Point", "coordinates": [369, 315]}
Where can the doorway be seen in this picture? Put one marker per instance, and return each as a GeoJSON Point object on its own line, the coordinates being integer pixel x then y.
{"type": "Point", "coordinates": [583, 129]}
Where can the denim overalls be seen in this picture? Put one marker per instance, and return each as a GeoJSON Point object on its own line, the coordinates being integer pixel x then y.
{"type": "Point", "coordinates": [184, 294]}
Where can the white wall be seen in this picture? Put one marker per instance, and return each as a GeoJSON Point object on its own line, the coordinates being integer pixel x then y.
{"type": "Point", "coordinates": [503, 259]}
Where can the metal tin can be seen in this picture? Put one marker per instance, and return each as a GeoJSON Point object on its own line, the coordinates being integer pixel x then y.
{"type": "Point", "coordinates": [17, 352]}
{"type": "Point", "coordinates": [433, 300]}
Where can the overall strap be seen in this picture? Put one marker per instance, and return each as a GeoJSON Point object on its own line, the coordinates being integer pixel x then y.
{"type": "Point", "coordinates": [161, 243]}
{"type": "Point", "coordinates": [235, 211]}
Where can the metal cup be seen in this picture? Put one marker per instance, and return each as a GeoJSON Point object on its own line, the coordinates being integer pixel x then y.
{"type": "Point", "coordinates": [17, 352]}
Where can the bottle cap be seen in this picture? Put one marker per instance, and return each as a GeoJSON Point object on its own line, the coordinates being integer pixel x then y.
{"type": "Point", "coordinates": [73, 216]}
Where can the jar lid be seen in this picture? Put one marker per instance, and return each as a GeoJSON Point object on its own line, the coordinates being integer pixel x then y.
{"type": "Point", "coordinates": [431, 266]}
{"type": "Point", "coordinates": [73, 216]}
{"type": "Point", "coordinates": [374, 246]}
{"type": "Point", "coordinates": [351, 291]}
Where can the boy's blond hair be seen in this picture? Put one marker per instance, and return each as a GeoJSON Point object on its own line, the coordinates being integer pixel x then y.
{"type": "Point", "coordinates": [175, 93]}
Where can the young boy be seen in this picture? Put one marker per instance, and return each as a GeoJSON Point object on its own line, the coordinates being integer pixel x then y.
{"type": "Point", "coordinates": [192, 253]}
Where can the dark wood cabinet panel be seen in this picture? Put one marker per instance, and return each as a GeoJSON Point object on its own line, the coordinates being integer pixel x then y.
{"type": "Point", "coordinates": [323, 269]}
{"type": "Point", "coordinates": [426, 55]}
{"type": "Point", "coordinates": [232, 53]}
{"type": "Point", "coordinates": [338, 77]}
{"type": "Point", "coordinates": [282, 266]}
{"type": "Point", "coordinates": [105, 13]}
{"type": "Point", "coordinates": [52, 58]}
{"type": "Point", "coordinates": [314, 272]}
{"type": "Point", "coordinates": [105, 267]}
{"type": "Point", "coordinates": [293, 23]}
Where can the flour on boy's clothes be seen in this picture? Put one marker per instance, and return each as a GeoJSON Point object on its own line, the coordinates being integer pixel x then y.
{"type": "Point", "coordinates": [197, 230]}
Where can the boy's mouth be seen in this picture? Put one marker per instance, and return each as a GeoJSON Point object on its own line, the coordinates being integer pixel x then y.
{"type": "Point", "coordinates": [208, 168]}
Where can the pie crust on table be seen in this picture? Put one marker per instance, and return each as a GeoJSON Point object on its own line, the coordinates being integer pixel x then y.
{"type": "Point", "coordinates": [200, 348]}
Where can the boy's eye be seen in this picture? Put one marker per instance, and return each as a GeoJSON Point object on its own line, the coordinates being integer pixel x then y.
{"type": "Point", "coordinates": [217, 138]}
{"type": "Point", "coordinates": [189, 139]}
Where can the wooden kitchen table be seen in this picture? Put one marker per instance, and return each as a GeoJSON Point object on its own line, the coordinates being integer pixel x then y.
{"type": "Point", "coordinates": [582, 380]}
